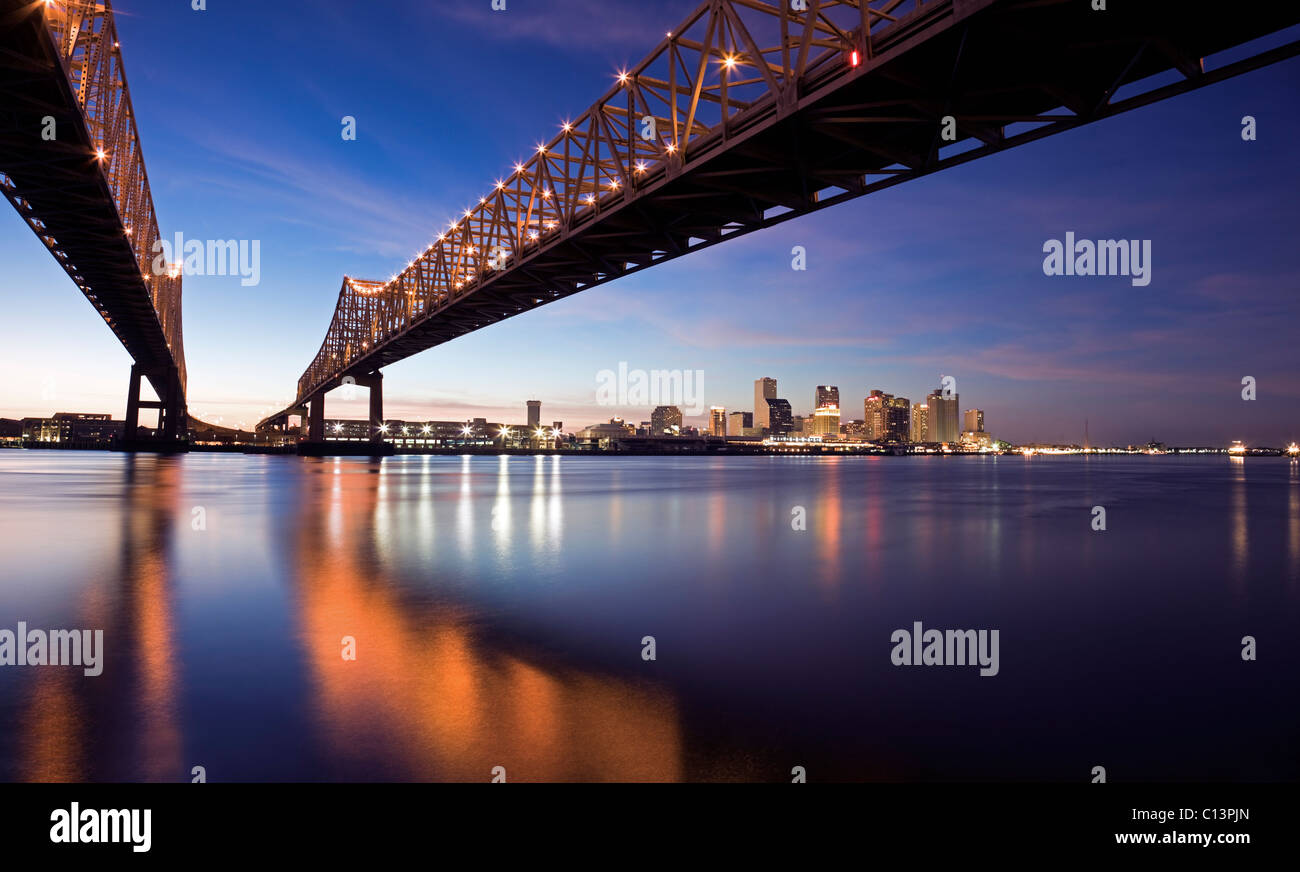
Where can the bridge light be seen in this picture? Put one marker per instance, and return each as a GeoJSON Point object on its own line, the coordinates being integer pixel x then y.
{"type": "Point", "coordinates": [541, 149]}
{"type": "Point", "coordinates": [99, 154]}
{"type": "Point", "coordinates": [854, 60]}
{"type": "Point", "coordinates": [566, 127]}
{"type": "Point", "coordinates": [622, 78]}
{"type": "Point", "coordinates": [672, 148]}
{"type": "Point", "coordinates": [590, 198]}
{"type": "Point", "coordinates": [500, 184]}
{"type": "Point", "coordinates": [519, 168]}
{"type": "Point", "coordinates": [640, 166]}
{"type": "Point", "coordinates": [729, 61]}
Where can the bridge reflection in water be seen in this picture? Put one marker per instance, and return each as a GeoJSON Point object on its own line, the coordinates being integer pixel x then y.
{"type": "Point", "coordinates": [187, 681]}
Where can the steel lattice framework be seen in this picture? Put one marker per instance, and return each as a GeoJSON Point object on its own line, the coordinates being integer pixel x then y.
{"type": "Point", "coordinates": [700, 87]}
{"type": "Point", "coordinates": [85, 191]}
{"type": "Point", "coordinates": [753, 112]}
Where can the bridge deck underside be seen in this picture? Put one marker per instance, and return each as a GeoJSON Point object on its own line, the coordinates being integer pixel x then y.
{"type": "Point", "coordinates": [59, 184]}
{"type": "Point", "coordinates": [1013, 62]}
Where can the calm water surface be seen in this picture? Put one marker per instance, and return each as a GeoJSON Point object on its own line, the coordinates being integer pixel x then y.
{"type": "Point", "coordinates": [499, 606]}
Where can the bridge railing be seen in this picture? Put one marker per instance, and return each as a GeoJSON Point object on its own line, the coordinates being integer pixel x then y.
{"type": "Point", "coordinates": [85, 37]}
{"type": "Point", "coordinates": [729, 62]}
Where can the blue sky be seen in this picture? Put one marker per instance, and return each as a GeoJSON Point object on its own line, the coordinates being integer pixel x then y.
{"type": "Point", "coordinates": [239, 108]}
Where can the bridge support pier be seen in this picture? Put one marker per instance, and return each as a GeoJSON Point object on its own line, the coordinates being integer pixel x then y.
{"type": "Point", "coordinates": [316, 418]}
{"type": "Point", "coordinates": [173, 425]}
{"type": "Point", "coordinates": [375, 381]}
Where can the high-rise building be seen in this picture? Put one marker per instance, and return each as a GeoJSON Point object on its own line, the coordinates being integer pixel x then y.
{"type": "Point", "coordinates": [897, 420]}
{"type": "Point", "coordinates": [534, 415]}
{"type": "Point", "coordinates": [945, 422]}
{"type": "Point", "coordinates": [873, 414]}
{"type": "Point", "coordinates": [921, 423]}
{"type": "Point", "coordinates": [827, 395]}
{"type": "Point", "coordinates": [973, 420]}
{"type": "Point", "coordinates": [826, 421]}
{"type": "Point", "coordinates": [764, 390]}
{"type": "Point", "coordinates": [717, 421]}
{"type": "Point", "coordinates": [739, 422]}
{"type": "Point", "coordinates": [665, 420]}
{"type": "Point", "coordinates": [780, 418]}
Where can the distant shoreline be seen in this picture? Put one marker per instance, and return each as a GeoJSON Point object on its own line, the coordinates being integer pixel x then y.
{"type": "Point", "coordinates": [364, 450]}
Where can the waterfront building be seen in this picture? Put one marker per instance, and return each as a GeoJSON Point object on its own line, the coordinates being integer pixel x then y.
{"type": "Point", "coordinates": [764, 390]}
{"type": "Point", "coordinates": [739, 422]}
{"type": "Point", "coordinates": [973, 421]}
{"type": "Point", "coordinates": [666, 421]}
{"type": "Point", "coordinates": [826, 421]}
{"type": "Point", "coordinates": [945, 425]}
{"type": "Point", "coordinates": [873, 415]}
{"type": "Point", "coordinates": [83, 428]}
{"type": "Point", "coordinates": [921, 423]}
{"type": "Point", "coordinates": [780, 418]}
{"type": "Point", "coordinates": [717, 421]}
{"type": "Point", "coordinates": [601, 435]}
{"type": "Point", "coordinates": [897, 423]}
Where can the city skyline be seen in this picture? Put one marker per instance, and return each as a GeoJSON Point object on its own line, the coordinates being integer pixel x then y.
{"type": "Point", "coordinates": [876, 306]}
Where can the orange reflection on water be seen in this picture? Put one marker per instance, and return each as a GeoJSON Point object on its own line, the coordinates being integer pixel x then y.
{"type": "Point", "coordinates": [134, 610]}
{"type": "Point", "coordinates": [828, 525]}
{"type": "Point", "coordinates": [51, 741]}
{"type": "Point", "coordinates": [428, 696]}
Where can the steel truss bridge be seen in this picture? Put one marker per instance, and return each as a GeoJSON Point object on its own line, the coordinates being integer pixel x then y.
{"type": "Point", "coordinates": [71, 165]}
{"type": "Point", "coordinates": [753, 112]}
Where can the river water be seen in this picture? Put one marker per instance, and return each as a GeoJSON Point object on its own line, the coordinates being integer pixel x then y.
{"type": "Point", "coordinates": [502, 612]}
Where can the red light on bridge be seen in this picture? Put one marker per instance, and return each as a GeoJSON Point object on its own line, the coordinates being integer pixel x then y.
{"type": "Point", "coordinates": [854, 59]}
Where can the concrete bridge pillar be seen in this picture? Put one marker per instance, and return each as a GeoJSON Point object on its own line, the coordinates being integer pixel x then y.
{"type": "Point", "coordinates": [316, 418]}
{"type": "Point", "coordinates": [129, 431]}
{"type": "Point", "coordinates": [173, 424]}
{"type": "Point", "coordinates": [375, 381]}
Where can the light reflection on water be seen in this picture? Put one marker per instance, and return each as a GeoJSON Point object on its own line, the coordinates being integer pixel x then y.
{"type": "Point", "coordinates": [498, 607]}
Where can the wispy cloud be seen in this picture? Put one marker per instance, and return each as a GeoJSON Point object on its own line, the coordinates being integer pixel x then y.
{"type": "Point", "coordinates": [569, 24]}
